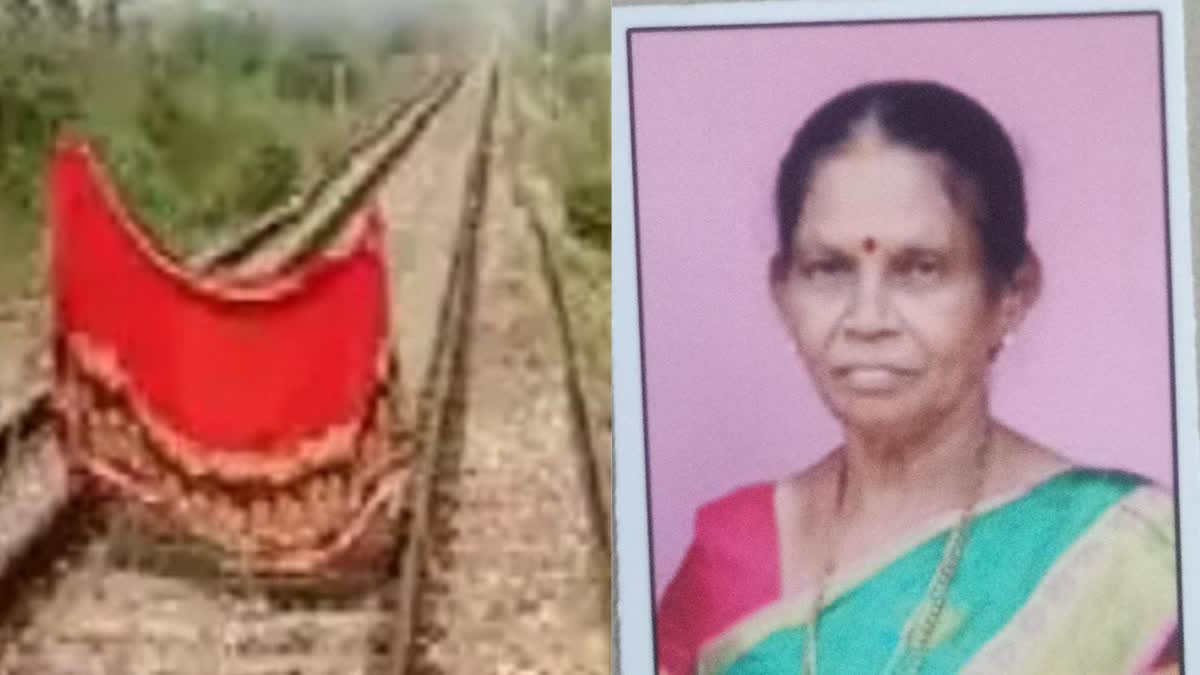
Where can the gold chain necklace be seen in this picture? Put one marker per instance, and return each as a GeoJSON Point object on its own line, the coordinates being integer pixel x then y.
{"type": "Point", "coordinates": [916, 634]}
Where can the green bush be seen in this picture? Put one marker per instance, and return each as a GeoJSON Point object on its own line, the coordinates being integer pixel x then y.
{"type": "Point", "coordinates": [271, 173]}
{"type": "Point", "coordinates": [589, 210]}
{"type": "Point", "coordinates": [237, 47]}
{"type": "Point", "coordinates": [584, 135]}
{"type": "Point", "coordinates": [309, 72]}
{"type": "Point", "coordinates": [32, 108]}
{"type": "Point", "coordinates": [204, 120]}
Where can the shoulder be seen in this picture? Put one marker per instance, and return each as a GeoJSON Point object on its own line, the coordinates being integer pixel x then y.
{"type": "Point", "coordinates": [1117, 510]}
{"type": "Point", "coordinates": [1073, 489]}
{"type": "Point", "coordinates": [1148, 509]}
{"type": "Point", "coordinates": [750, 506]}
{"type": "Point", "coordinates": [1121, 502]}
{"type": "Point", "coordinates": [735, 545]}
{"type": "Point", "coordinates": [739, 526]}
{"type": "Point", "coordinates": [1132, 490]}
{"type": "Point", "coordinates": [744, 508]}
{"type": "Point", "coordinates": [729, 571]}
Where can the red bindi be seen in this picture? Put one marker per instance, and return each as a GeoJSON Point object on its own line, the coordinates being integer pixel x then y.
{"type": "Point", "coordinates": [869, 244]}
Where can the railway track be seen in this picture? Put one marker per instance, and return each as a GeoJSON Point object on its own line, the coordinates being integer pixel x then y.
{"type": "Point", "coordinates": [90, 589]}
{"type": "Point", "coordinates": [250, 241]}
{"type": "Point", "coordinates": [442, 412]}
{"type": "Point", "coordinates": [516, 567]}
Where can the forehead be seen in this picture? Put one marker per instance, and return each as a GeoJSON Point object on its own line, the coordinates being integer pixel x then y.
{"type": "Point", "coordinates": [890, 193]}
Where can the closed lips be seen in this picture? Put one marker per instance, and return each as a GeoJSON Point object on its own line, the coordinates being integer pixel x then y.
{"type": "Point", "coordinates": [873, 378]}
{"type": "Point", "coordinates": [872, 368]}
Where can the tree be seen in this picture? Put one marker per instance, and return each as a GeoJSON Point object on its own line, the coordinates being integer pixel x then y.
{"type": "Point", "coordinates": [21, 12]}
{"type": "Point", "coordinates": [108, 19]}
{"type": "Point", "coordinates": [315, 69]}
{"type": "Point", "coordinates": [65, 13]}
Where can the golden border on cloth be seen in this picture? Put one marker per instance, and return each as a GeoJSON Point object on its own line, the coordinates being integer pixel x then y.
{"type": "Point", "coordinates": [1094, 584]}
{"type": "Point", "coordinates": [284, 514]}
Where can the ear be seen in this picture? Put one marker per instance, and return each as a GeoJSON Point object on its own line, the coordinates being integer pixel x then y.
{"type": "Point", "coordinates": [777, 279]}
{"type": "Point", "coordinates": [1019, 296]}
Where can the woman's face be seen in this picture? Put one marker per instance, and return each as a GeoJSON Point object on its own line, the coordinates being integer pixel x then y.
{"type": "Point", "coordinates": [886, 296]}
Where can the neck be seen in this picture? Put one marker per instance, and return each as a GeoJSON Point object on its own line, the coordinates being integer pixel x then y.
{"type": "Point", "coordinates": [883, 470]}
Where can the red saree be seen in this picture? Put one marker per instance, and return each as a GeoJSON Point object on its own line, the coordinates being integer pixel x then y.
{"type": "Point", "coordinates": [254, 415]}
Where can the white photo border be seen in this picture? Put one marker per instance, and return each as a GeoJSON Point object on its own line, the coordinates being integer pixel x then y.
{"type": "Point", "coordinates": [633, 621]}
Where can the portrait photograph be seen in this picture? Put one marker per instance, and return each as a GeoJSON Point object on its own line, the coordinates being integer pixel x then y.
{"type": "Point", "coordinates": [903, 339]}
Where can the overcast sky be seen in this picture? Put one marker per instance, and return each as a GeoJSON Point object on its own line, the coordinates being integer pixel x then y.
{"type": "Point", "coordinates": [370, 14]}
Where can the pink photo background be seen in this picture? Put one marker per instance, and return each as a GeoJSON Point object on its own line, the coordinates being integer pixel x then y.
{"type": "Point", "coordinates": [727, 401]}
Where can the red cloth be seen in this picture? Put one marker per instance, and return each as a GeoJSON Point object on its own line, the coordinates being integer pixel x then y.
{"type": "Point", "coordinates": [730, 571]}
{"type": "Point", "coordinates": [248, 368]}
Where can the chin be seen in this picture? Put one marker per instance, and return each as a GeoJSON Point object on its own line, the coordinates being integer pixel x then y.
{"type": "Point", "coordinates": [875, 411]}
{"type": "Point", "coordinates": [890, 421]}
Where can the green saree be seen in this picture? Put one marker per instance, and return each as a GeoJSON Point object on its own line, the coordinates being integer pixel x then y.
{"type": "Point", "coordinates": [1076, 575]}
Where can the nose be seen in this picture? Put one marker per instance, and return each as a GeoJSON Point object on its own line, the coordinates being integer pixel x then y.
{"type": "Point", "coordinates": [870, 314]}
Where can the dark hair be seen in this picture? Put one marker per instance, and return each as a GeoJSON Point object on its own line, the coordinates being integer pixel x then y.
{"type": "Point", "coordinates": [929, 117]}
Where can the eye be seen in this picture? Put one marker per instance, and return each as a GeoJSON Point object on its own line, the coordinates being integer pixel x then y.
{"type": "Point", "coordinates": [922, 269]}
{"type": "Point", "coordinates": [823, 269]}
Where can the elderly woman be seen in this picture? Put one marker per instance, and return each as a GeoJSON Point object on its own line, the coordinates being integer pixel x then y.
{"type": "Point", "coordinates": [934, 539]}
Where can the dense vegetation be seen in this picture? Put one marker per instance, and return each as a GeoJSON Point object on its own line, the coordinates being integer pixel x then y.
{"type": "Point", "coordinates": [205, 118]}
{"type": "Point", "coordinates": [586, 133]}
{"type": "Point", "coordinates": [567, 64]}
{"type": "Point", "coordinates": [562, 98]}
